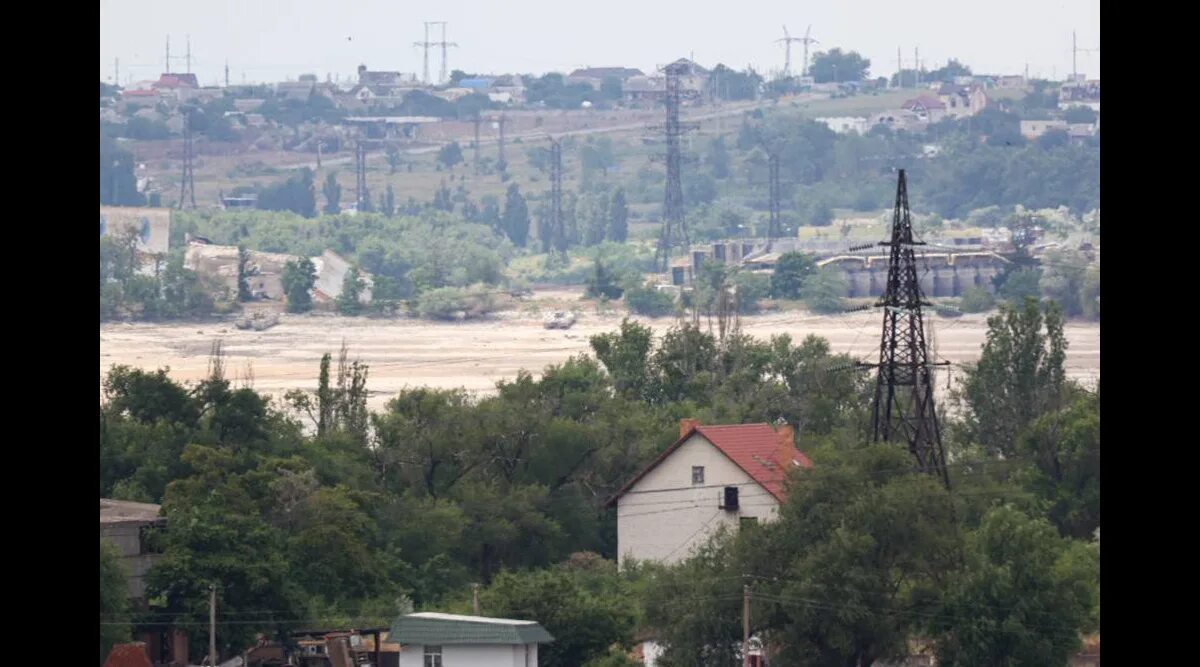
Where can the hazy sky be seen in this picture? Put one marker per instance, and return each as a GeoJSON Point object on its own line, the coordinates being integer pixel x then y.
{"type": "Point", "coordinates": [271, 40]}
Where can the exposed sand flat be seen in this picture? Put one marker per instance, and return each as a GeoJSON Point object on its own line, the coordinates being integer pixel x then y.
{"type": "Point", "coordinates": [474, 355]}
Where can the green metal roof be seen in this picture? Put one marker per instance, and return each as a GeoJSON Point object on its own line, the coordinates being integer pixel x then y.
{"type": "Point", "coordinates": [439, 629]}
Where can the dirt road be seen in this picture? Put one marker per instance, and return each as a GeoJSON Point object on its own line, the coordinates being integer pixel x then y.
{"type": "Point", "coordinates": [474, 355]}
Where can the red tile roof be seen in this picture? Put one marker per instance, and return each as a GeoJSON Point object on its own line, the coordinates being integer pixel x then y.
{"type": "Point", "coordinates": [755, 448]}
{"type": "Point", "coordinates": [128, 655]}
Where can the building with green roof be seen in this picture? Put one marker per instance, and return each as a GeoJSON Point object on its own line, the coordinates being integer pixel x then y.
{"type": "Point", "coordinates": [430, 639]}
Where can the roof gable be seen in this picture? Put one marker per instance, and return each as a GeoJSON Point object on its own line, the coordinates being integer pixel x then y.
{"type": "Point", "coordinates": [754, 448]}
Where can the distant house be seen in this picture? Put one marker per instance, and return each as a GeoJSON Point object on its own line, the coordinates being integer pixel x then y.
{"type": "Point", "coordinates": [1080, 93]}
{"type": "Point", "coordinates": [430, 639]}
{"type": "Point", "coordinates": [128, 525]}
{"type": "Point", "coordinates": [177, 80]}
{"type": "Point", "coordinates": [1032, 129]}
{"type": "Point", "coordinates": [367, 77]}
{"type": "Point", "coordinates": [899, 119]}
{"type": "Point", "coordinates": [595, 76]}
{"type": "Point", "coordinates": [712, 476]}
{"type": "Point", "coordinates": [644, 89]}
{"type": "Point", "coordinates": [478, 84]}
{"type": "Point", "coordinates": [1011, 81]}
{"type": "Point", "coordinates": [928, 108]}
{"type": "Point", "coordinates": [845, 124]}
{"type": "Point", "coordinates": [959, 101]}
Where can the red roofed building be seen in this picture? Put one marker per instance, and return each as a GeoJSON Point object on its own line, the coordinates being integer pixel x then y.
{"type": "Point", "coordinates": [927, 107]}
{"type": "Point", "coordinates": [128, 655]}
{"type": "Point", "coordinates": [712, 476]}
{"type": "Point", "coordinates": [177, 80]}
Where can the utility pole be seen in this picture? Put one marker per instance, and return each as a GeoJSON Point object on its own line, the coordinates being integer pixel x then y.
{"type": "Point", "coordinates": [188, 59]}
{"type": "Point", "coordinates": [226, 73]}
{"type": "Point", "coordinates": [775, 227]}
{"type": "Point", "coordinates": [116, 71]}
{"type": "Point", "coordinates": [425, 45]}
{"type": "Point", "coordinates": [444, 44]}
{"type": "Point", "coordinates": [917, 64]}
{"type": "Point", "coordinates": [475, 598]}
{"type": "Point", "coordinates": [745, 625]}
{"type": "Point", "coordinates": [212, 624]}
{"type": "Point", "coordinates": [899, 69]}
{"type": "Point", "coordinates": [501, 164]}
{"type": "Point", "coordinates": [903, 407]}
{"type": "Point", "coordinates": [168, 61]}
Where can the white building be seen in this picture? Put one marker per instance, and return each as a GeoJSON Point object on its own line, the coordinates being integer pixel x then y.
{"type": "Point", "coordinates": [846, 124]}
{"type": "Point", "coordinates": [430, 639]}
{"type": "Point", "coordinates": [712, 476]}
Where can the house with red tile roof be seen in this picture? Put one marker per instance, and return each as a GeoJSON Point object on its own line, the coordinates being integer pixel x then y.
{"type": "Point", "coordinates": [711, 477]}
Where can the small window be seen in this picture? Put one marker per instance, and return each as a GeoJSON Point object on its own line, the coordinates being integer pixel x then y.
{"type": "Point", "coordinates": [433, 656]}
{"type": "Point", "coordinates": [697, 474]}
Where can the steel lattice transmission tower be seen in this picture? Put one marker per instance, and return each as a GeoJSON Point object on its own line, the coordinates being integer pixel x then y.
{"type": "Point", "coordinates": [556, 217]}
{"type": "Point", "coordinates": [187, 187]}
{"type": "Point", "coordinates": [903, 406]}
{"type": "Point", "coordinates": [775, 226]}
{"type": "Point", "coordinates": [673, 231]}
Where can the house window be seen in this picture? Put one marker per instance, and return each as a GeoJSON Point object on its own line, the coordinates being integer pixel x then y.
{"type": "Point", "coordinates": [697, 474]}
{"type": "Point", "coordinates": [433, 656]}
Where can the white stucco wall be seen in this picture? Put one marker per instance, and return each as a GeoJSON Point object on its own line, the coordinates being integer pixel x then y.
{"type": "Point", "coordinates": [666, 526]}
{"type": "Point", "coordinates": [473, 655]}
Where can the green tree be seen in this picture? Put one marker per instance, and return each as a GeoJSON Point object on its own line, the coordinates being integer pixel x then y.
{"type": "Point", "coordinates": [791, 272]}
{"type": "Point", "coordinates": [333, 194]}
{"type": "Point", "coordinates": [647, 300]}
{"type": "Point", "coordinates": [977, 300]}
{"type": "Point", "coordinates": [393, 158]}
{"type": "Point", "coordinates": [114, 599]}
{"type": "Point", "coordinates": [836, 66]}
{"type": "Point", "coordinates": [584, 621]}
{"type": "Point", "coordinates": [450, 155]}
{"type": "Point", "coordinates": [118, 185]}
{"type": "Point", "coordinates": [947, 72]}
{"type": "Point", "coordinates": [597, 155]}
{"type": "Point", "coordinates": [718, 156]}
{"type": "Point", "coordinates": [296, 194]}
{"type": "Point", "coordinates": [298, 279]}
{"type": "Point", "coordinates": [823, 291]}
{"type": "Point", "coordinates": [1019, 376]}
{"type": "Point", "coordinates": [243, 284]}
{"type": "Point", "coordinates": [618, 213]}
{"type": "Point", "coordinates": [602, 283]}
{"type": "Point", "coordinates": [389, 202]}
{"type": "Point", "coordinates": [516, 216]}
{"type": "Point", "coordinates": [1023, 599]}
{"type": "Point", "coordinates": [1020, 284]}
{"type": "Point", "coordinates": [1064, 447]}
{"type": "Point", "coordinates": [626, 356]}
{"type": "Point", "coordinates": [352, 288]}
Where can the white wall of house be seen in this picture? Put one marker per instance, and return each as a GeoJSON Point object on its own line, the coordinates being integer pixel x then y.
{"type": "Point", "coordinates": [667, 525]}
{"type": "Point", "coordinates": [474, 655]}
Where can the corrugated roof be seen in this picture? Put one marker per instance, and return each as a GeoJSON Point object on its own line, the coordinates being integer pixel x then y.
{"type": "Point", "coordinates": [752, 447]}
{"type": "Point", "coordinates": [115, 511]}
{"type": "Point", "coordinates": [441, 629]}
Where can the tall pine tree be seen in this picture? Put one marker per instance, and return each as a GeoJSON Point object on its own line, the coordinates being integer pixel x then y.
{"type": "Point", "coordinates": [516, 216]}
{"type": "Point", "coordinates": [618, 213]}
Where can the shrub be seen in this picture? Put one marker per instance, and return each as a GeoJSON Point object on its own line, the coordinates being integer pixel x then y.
{"type": "Point", "coordinates": [649, 301]}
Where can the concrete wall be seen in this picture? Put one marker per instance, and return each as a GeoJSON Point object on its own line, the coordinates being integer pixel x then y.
{"type": "Point", "coordinates": [665, 526]}
{"type": "Point", "coordinates": [153, 225]}
{"type": "Point", "coordinates": [125, 535]}
{"type": "Point", "coordinates": [940, 275]}
{"type": "Point", "coordinates": [474, 655]}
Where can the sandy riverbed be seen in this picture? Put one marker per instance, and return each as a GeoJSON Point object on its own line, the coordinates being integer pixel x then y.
{"type": "Point", "coordinates": [474, 355]}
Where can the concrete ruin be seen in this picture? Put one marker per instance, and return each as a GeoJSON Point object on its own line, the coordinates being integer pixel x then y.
{"type": "Point", "coordinates": [944, 274]}
{"type": "Point", "coordinates": [265, 272]}
{"type": "Point", "coordinates": [152, 226]}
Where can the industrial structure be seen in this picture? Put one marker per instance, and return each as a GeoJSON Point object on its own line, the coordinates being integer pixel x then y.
{"type": "Point", "coordinates": [903, 407]}
{"type": "Point", "coordinates": [674, 230]}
